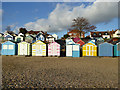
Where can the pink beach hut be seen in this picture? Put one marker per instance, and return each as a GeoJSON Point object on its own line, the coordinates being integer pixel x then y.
{"type": "Point", "coordinates": [53, 49]}
{"type": "Point", "coordinates": [76, 39]}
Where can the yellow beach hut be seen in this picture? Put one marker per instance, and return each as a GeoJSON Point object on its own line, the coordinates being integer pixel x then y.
{"type": "Point", "coordinates": [38, 48]}
{"type": "Point", "coordinates": [89, 49]}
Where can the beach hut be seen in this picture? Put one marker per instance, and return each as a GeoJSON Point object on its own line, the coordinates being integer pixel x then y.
{"type": "Point", "coordinates": [80, 42]}
{"type": "Point", "coordinates": [8, 37]}
{"type": "Point", "coordinates": [62, 47]}
{"type": "Point", "coordinates": [117, 49]}
{"type": "Point", "coordinates": [105, 49]}
{"type": "Point", "coordinates": [9, 48]}
{"type": "Point", "coordinates": [76, 39]}
{"type": "Point", "coordinates": [0, 48]}
{"type": "Point", "coordinates": [53, 49]}
{"type": "Point", "coordinates": [40, 36]}
{"type": "Point", "coordinates": [89, 49]}
{"type": "Point", "coordinates": [72, 49]}
{"type": "Point", "coordinates": [39, 48]}
{"type": "Point", "coordinates": [24, 48]}
{"type": "Point", "coordinates": [19, 38]}
{"type": "Point", "coordinates": [30, 39]}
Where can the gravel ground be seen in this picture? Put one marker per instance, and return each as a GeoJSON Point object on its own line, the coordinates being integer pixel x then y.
{"type": "Point", "coordinates": [59, 72]}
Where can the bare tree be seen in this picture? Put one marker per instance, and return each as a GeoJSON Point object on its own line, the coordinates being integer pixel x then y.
{"type": "Point", "coordinates": [82, 25]}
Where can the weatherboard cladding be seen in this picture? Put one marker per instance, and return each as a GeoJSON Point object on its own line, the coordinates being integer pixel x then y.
{"type": "Point", "coordinates": [9, 48]}
{"type": "Point", "coordinates": [105, 49]}
{"type": "Point", "coordinates": [53, 49]}
{"type": "Point", "coordinates": [39, 48]}
{"type": "Point", "coordinates": [24, 48]}
{"type": "Point", "coordinates": [89, 49]}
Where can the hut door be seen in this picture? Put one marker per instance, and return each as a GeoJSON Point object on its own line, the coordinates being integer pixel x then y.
{"type": "Point", "coordinates": [38, 50]}
{"type": "Point", "coordinates": [89, 50]}
{"type": "Point", "coordinates": [25, 49]}
{"type": "Point", "coordinates": [119, 49]}
{"type": "Point", "coordinates": [54, 50]}
{"type": "Point", "coordinates": [21, 49]}
{"type": "Point", "coordinates": [69, 50]}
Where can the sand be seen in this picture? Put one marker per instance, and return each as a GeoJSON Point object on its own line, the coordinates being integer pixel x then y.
{"type": "Point", "coordinates": [59, 72]}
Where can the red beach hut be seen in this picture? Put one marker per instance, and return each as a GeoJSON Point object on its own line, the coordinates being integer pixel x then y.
{"type": "Point", "coordinates": [76, 39]}
{"type": "Point", "coordinates": [80, 42]}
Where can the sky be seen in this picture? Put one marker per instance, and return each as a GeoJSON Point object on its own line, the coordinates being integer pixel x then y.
{"type": "Point", "coordinates": [56, 17]}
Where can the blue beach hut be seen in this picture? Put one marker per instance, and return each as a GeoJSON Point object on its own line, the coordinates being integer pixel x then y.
{"type": "Point", "coordinates": [9, 48]}
{"type": "Point", "coordinates": [105, 49]}
{"type": "Point", "coordinates": [117, 49]}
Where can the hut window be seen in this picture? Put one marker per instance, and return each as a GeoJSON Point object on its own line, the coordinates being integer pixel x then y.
{"type": "Point", "coordinates": [4, 46]}
{"type": "Point", "coordinates": [118, 47]}
{"type": "Point", "coordinates": [70, 33]}
{"type": "Point", "coordinates": [10, 46]}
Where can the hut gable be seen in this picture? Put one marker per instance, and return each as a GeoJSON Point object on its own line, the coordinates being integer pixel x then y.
{"type": "Point", "coordinates": [40, 36]}
{"type": "Point", "coordinates": [8, 37]}
{"type": "Point", "coordinates": [19, 38]}
{"type": "Point", "coordinates": [69, 41]}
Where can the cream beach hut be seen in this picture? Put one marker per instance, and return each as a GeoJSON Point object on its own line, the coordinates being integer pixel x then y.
{"type": "Point", "coordinates": [38, 48]}
{"type": "Point", "coordinates": [24, 48]}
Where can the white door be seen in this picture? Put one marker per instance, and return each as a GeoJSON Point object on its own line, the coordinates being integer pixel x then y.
{"type": "Point", "coordinates": [38, 50]}
{"type": "Point", "coordinates": [75, 47]}
{"type": "Point", "coordinates": [21, 49]}
{"type": "Point", "coordinates": [89, 50]}
{"type": "Point", "coordinates": [69, 50]}
{"type": "Point", "coordinates": [25, 49]}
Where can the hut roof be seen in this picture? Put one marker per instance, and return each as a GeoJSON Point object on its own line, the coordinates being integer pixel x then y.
{"type": "Point", "coordinates": [76, 39]}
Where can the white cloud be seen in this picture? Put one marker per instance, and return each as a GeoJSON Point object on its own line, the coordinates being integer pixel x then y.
{"type": "Point", "coordinates": [61, 17]}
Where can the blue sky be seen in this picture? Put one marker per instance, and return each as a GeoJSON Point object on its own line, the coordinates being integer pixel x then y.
{"type": "Point", "coordinates": [21, 14]}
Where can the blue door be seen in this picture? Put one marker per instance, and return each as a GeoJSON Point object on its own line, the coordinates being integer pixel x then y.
{"type": "Point", "coordinates": [76, 51]}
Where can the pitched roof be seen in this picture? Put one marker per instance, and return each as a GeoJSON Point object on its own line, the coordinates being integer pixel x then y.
{"type": "Point", "coordinates": [115, 42]}
{"type": "Point", "coordinates": [76, 39]}
{"type": "Point", "coordinates": [34, 32]}
{"type": "Point", "coordinates": [75, 31]}
{"type": "Point", "coordinates": [99, 33]}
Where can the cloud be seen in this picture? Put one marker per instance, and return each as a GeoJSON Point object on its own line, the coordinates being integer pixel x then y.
{"type": "Point", "coordinates": [61, 17]}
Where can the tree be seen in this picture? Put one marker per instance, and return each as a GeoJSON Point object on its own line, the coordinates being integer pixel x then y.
{"type": "Point", "coordinates": [82, 25]}
{"type": "Point", "coordinates": [23, 30]}
{"type": "Point", "coordinates": [65, 36]}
